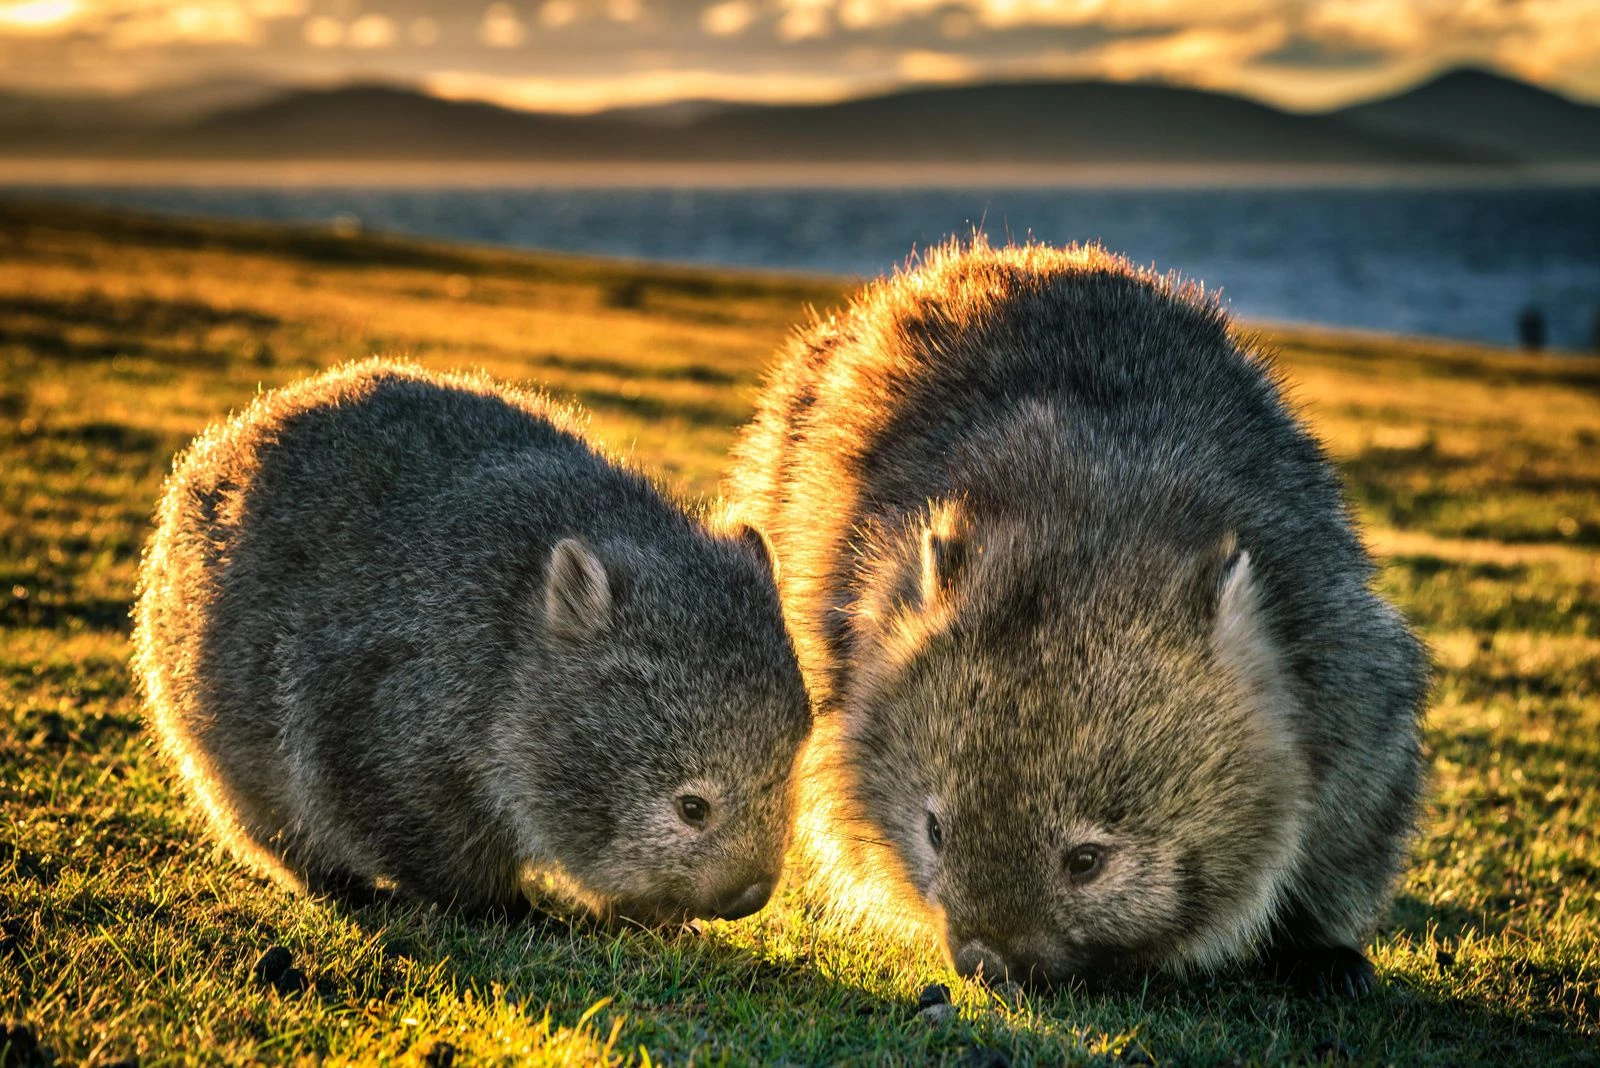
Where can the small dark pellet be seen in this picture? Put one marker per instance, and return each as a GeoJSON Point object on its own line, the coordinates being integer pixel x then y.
{"type": "Point", "coordinates": [272, 964]}
{"type": "Point", "coordinates": [1331, 1048]}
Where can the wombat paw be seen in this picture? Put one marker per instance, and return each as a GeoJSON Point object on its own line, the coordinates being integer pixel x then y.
{"type": "Point", "coordinates": [1324, 971]}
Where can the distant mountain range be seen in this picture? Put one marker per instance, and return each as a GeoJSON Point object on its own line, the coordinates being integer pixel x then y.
{"type": "Point", "coordinates": [1462, 117]}
{"type": "Point", "coordinates": [1488, 112]}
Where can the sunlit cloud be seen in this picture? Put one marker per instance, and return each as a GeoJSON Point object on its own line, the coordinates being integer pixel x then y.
{"type": "Point", "coordinates": [919, 66]}
{"type": "Point", "coordinates": [806, 19]}
{"type": "Point", "coordinates": [1298, 52]}
{"type": "Point", "coordinates": [579, 94]}
{"type": "Point", "coordinates": [211, 23]}
{"type": "Point", "coordinates": [557, 13]}
{"type": "Point", "coordinates": [728, 18]}
{"type": "Point", "coordinates": [373, 31]}
{"type": "Point", "coordinates": [1202, 54]}
{"type": "Point", "coordinates": [127, 24]}
{"type": "Point", "coordinates": [37, 16]}
{"type": "Point", "coordinates": [423, 31]}
{"type": "Point", "coordinates": [323, 32]}
{"type": "Point", "coordinates": [501, 28]}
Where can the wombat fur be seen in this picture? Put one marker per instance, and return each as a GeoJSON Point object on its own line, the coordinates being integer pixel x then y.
{"type": "Point", "coordinates": [408, 629]}
{"type": "Point", "coordinates": [1100, 676]}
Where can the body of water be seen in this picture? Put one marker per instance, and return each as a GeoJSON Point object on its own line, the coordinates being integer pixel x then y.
{"type": "Point", "coordinates": [1451, 262]}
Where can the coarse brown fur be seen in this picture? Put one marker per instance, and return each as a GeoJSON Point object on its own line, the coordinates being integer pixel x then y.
{"type": "Point", "coordinates": [1073, 588]}
{"type": "Point", "coordinates": [404, 628]}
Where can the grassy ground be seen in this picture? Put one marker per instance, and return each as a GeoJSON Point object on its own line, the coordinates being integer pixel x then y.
{"type": "Point", "coordinates": [123, 933]}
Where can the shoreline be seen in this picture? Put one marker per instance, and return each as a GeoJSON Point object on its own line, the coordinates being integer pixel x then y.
{"type": "Point", "coordinates": [407, 174]}
{"type": "Point", "coordinates": [377, 244]}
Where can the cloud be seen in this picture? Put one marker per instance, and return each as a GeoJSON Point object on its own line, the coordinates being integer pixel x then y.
{"type": "Point", "coordinates": [919, 66]}
{"type": "Point", "coordinates": [1298, 52]}
{"type": "Point", "coordinates": [146, 24]}
{"type": "Point", "coordinates": [324, 32]}
{"type": "Point", "coordinates": [1302, 52]}
{"type": "Point", "coordinates": [373, 31]}
{"type": "Point", "coordinates": [579, 93]}
{"type": "Point", "coordinates": [501, 28]}
{"type": "Point", "coordinates": [557, 13]}
{"type": "Point", "coordinates": [1200, 55]}
{"type": "Point", "coordinates": [43, 17]}
{"type": "Point", "coordinates": [729, 18]}
{"type": "Point", "coordinates": [423, 31]}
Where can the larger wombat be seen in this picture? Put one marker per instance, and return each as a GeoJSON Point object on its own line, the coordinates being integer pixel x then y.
{"type": "Point", "coordinates": [405, 628]}
{"type": "Point", "coordinates": [1092, 638]}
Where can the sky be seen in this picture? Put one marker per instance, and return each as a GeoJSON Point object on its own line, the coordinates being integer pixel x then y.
{"type": "Point", "coordinates": [579, 55]}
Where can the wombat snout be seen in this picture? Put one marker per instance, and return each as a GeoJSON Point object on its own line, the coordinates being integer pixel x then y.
{"type": "Point", "coordinates": [977, 959]}
{"type": "Point", "coordinates": [742, 903]}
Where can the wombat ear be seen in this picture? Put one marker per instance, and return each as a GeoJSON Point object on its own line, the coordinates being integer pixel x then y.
{"type": "Point", "coordinates": [577, 597]}
{"type": "Point", "coordinates": [944, 558]}
{"type": "Point", "coordinates": [1235, 611]}
{"type": "Point", "coordinates": [759, 544]}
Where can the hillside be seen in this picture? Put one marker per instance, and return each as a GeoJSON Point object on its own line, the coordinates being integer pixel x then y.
{"type": "Point", "coordinates": [124, 935]}
{"type": "Point", "coordinates": [1489, 112]}
{"type": "Point", "coordinates": [1085, 121]}
{"type": "Point", "coordinates": [1022, 122]}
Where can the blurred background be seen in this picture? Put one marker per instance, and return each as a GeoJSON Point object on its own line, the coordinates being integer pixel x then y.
{"type": "Point", "coordinates": [1426, 167]}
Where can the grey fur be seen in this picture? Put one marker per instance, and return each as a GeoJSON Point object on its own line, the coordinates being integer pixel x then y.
{"type": "Point", "coordinates": [407, 628]}
{"type": "Point", "coordinates": [1062, 568]}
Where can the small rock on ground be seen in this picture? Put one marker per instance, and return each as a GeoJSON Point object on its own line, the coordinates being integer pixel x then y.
{"type": "Point", "coordinates": [933, 994]}
{"type": "Point", "coordinates": [19, 1048]}
{"type": "Point", "coordinates": [938, 1014]}
{"type": "Point", "coordinates": [1331, 1048]}
{"type": "Point", "coordinates": [1010, 992]}
{"type": "Point", "coordinates": [271, 965]}
{"type": "Point", "coordinates": [985, 1057]}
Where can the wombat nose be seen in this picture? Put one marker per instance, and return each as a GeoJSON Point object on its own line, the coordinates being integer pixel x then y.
{"type": "Point", "coordinates": [746, 902]}
{"type": "Point", "coordinates": [975, 960]}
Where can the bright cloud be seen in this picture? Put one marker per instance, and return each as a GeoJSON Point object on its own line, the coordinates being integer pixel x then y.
{"type": "Point", "coordinates": [557, 13]}
{"type": "Point", "coordinates": [728, 18]}
{"type": "Point", "coordinates": [501, 28]}
{"type": "Point", "coordinates": [580, 53]}
{"type": "Point", "coordinates": [921, 66]}
{"type": "Point", "coordinates": [373, 31]}
{"type": "Point", "coordinates": [323, 32]}
{"type": "Point", "coordinates": [38, 16]}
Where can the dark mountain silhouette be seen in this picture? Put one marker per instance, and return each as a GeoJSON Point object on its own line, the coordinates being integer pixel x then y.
{"type": "Point", "coordinates": [388, 122]}
{"type": "Point", "coordinates": [1488, 111]}
{"type": "Point", "coordinates": [1087, 121]}
{"type": "Point", "coordinates": [1463, 117]}
{"type": "Point", "coordinates": [63, 121]}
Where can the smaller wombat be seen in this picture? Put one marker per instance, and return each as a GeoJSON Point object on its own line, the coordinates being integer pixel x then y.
{"type": "Point", "coordinates": [411, 629]}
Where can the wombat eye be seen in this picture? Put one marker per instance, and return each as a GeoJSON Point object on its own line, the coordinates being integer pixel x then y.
{"type": "Point", "coordinates": [1084, 863]}
{"type": "Point", "coordinates": [693, 810]}
{"type": "Point", "coordinates": [935, 833]}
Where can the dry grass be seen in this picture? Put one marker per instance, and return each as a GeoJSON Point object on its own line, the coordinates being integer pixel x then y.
{"type": "Point", "coordinates": [123, 933]}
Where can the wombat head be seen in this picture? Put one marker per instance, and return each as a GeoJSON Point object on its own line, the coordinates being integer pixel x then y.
{"type": "Point", "coordinates": [1076, 752]}
{"type": "Point", "coordinates": [663, 713]}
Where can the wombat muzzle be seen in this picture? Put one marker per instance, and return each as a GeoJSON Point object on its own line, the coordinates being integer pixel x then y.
{"type": "Point", "coordinates": [747, 902]}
